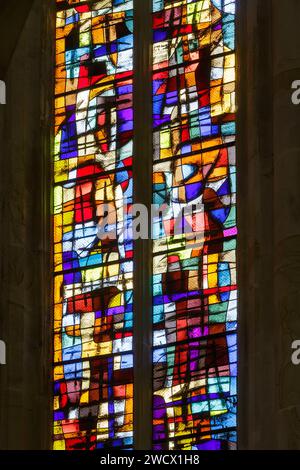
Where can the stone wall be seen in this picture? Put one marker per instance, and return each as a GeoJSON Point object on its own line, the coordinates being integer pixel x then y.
{"type": "Point", "coordinates": [269, 223]}
{"type": "Point", "coordinates": [24, 240]}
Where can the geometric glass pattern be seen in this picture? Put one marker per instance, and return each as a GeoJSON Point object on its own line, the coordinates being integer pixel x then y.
{"type": "Point", "coordinates": [194, 232]}
{"type": "Point", "coordinates": [194, 279]}
{"type": "Point", "coordinates": [93, 291]}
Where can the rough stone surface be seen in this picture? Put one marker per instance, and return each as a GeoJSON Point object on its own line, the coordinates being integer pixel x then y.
{"type": "Point", "coordinates": [269, 223]}
{"type": "Point", "coordinates": [24, 240]}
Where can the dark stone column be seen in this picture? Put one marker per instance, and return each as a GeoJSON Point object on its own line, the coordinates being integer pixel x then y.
{"type": "Point", "coordinates": [142, 177]}
{"type": "Point", "coordinates": [25, 183]}
{"type": "Point", "coordinates": [286, 121]}
{"type": "Point", "coordinates": [257, 322]}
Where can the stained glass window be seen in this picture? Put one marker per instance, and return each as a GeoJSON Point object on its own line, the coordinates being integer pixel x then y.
{"type": "Point", "coordinates": [194, 234]}
{"type": "Point", "coordinates": [194, 280]}
{"type": "Point", "coordinates": [93, 292]}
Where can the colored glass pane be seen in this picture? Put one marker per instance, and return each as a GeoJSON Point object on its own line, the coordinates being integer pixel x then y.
{"type": "Point", "coordinates": [93, 289]}
{"type": "Point", "coordinates": [194, 279]}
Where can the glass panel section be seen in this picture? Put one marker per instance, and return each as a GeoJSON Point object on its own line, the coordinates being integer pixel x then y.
{"type": "Point", "coordinates": [194, 279]}
{"type": "Point", "coordinates": [93, 255]}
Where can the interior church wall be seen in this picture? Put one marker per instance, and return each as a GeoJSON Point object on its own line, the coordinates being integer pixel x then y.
{"type": "Point", "coordinates": [269, 224]}
{"type": "Point", "coordinates": [268, 220]}
{"type": "Point", "coordinates": [24, 240]}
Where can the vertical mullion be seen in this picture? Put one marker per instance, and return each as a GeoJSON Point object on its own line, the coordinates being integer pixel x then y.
{"type": "Point", "coordinates": [142, 180]}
